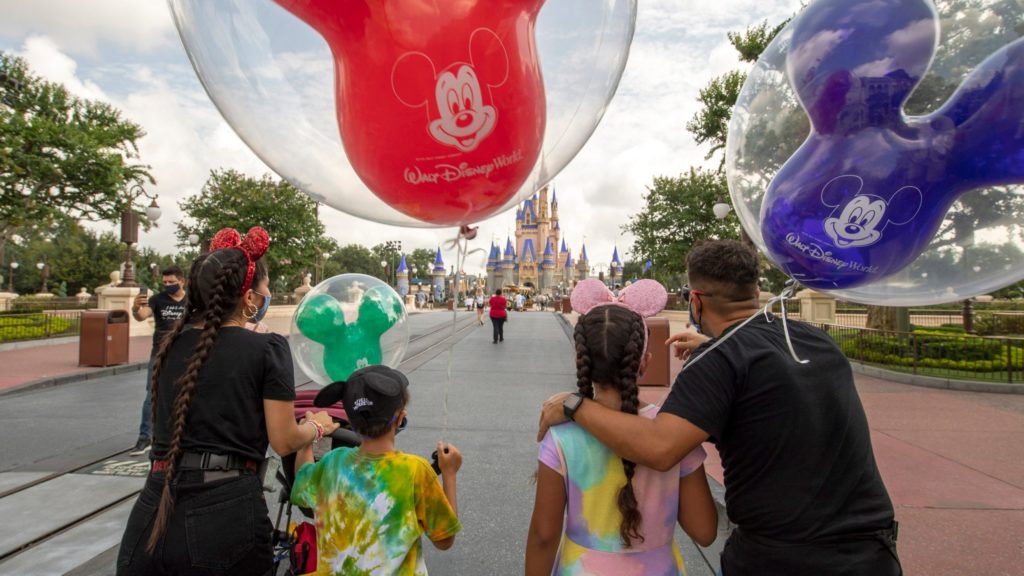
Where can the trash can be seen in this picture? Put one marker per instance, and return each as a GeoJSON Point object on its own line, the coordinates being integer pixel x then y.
{"type": "Point", "coordinates": [103, 338]}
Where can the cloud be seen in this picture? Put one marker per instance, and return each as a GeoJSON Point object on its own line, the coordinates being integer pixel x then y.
{"type": "Point", "coordinates": [85, 27]}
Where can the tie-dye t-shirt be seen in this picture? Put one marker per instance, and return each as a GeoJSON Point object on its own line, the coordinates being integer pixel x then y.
{"type": "Point", "coordinates": [593, 474]}
{"type": "Point", "coordinates": [370, 511]}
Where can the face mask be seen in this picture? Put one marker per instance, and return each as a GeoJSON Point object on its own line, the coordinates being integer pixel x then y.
{"type": "Point", "coordinates": [263, 309]}
{"type": "Point", "coordinates": [693, 321]}
{"type": "Point", "coordinates": [172, 289]}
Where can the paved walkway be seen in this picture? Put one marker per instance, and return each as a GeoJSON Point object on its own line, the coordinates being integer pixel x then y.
{"type": "Point", "coordinates": [45, 360]}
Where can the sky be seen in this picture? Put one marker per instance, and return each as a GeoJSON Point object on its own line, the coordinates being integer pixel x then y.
{"type": "Point", "coordinates": [128, 53]}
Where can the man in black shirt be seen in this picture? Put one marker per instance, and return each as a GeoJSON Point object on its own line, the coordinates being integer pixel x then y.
{"type": "Point", "coordinates": [801, 482]}
{"type": "Point", "coordinates": [166, 308]}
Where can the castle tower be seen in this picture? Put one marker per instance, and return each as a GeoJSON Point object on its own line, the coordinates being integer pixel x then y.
{"type": "Point", "coordinates": [508, 264]}
{"type": "Point", "coordinates": [439, 276]}
{"type": "Point", "coordinates": [547, 280]}
{"type": "Point", "coordinates": [403, 278]}
{"type": "Point", "coordinates": [568, 273]}
{"type": "Point", "coordinates": [492, 269]}
{"type": "Point", "coordinates": [615, 268]}
{"type": "Point", "coordinates": [583, 265]}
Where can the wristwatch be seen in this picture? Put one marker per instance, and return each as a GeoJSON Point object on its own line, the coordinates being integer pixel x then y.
{"type": "Point", "coordinates": [571, 405]}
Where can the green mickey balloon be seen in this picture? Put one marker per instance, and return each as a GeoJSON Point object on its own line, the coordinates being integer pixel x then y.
{"type": "Point", "coordinates": [349, 346]}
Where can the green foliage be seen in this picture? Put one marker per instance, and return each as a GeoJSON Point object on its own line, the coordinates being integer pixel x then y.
{"type": "Point", "coordinates": [423, 260]}
{"type": "Point", "coordinates": [999, 324]}
{"type": "Point", "coordinates": [711, 124]}
{"type": "Point", "coordinates": [754, 40]}
{"type": "Point", "coordinates": [356, 259]}
{"type": "Point", "coordinates": [63, 157]}
{"type": "Point", "coordinates": [676, 214]}
{"type": "Point", "coordinates": [934, 349]}
{"type": "Point", "coordinates": [231, 199]}
{"type": "Point", "coordinates": [34, 326]}
{"type": "Point", "coordinates": [75, 255]}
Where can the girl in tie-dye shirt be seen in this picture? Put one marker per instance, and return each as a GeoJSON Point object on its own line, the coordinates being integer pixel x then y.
{"type": "Point", "coordinates": [619, 518]}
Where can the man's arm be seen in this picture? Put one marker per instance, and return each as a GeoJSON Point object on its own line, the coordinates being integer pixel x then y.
{"type": "Point", "coordinates": [140, 308]}
{"type": "Point", "coordinates": [658, 443]}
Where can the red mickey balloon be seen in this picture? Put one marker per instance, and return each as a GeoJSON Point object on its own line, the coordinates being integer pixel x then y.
{"type": "Point", "coordinates": [440, 103]}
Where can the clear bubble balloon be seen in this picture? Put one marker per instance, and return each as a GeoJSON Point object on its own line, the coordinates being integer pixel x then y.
{"type": "Point", "coordinates": [908, 190]}
{"type": "Point", "coordinates": [428, 113]}
{"type": "Point", "coordinates": [345, 323]}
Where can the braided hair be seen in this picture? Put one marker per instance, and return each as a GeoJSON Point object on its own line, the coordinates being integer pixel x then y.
{"type": "Point", "coordinates": [215, 285]}
{"type": "Point", "coordinates": [609, 350]}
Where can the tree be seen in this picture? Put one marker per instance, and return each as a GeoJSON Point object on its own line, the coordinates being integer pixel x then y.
{"type": "Point", "coordinates": [231, 199]}
{"type": "Point", "coordinates": [62, 157]}
{"type": "Point", "coordinates": [676, 215]}
{"type": "Point", "coordinates": [356, 259]}
{"type": "Point", "coordinates": [423, 260]}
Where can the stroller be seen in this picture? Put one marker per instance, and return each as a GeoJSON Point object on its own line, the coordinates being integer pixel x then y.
{"type": "Point", "coordinates": [298, 546]}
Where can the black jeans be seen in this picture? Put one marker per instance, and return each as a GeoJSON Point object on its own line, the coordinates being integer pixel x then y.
{"type": "Point", "coordinates": [499, 328]}
{"type": "Point", "coordinates": [871, 554]}
{"type": "Point", "coordinates": [217, 528]}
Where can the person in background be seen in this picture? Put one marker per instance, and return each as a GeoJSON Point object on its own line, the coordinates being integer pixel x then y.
{"type": "Point", "coordinates": [499, 315]}
{"type": "Point", "coordinates": [166, 308]}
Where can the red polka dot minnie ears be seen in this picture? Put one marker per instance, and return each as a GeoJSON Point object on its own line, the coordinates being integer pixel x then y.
{"type": "Point", "coordinates": [254, 245]}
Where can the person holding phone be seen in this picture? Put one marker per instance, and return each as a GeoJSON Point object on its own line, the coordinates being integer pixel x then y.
{"type": "Point", "coordinates": [165, 308]}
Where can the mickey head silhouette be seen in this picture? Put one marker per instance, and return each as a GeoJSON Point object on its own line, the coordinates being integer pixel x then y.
{"type": "Point", "coordinates": [463, 118]}
{"type": "Point", "coordinates": [865, 193]}
{"type": "Point", "coordinates": [349, 346]}
{"type": "Point", "coordinates": [859, 218]}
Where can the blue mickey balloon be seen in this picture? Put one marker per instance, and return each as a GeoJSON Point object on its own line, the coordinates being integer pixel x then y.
{"type": "Point", "coordinates": [866, 192]}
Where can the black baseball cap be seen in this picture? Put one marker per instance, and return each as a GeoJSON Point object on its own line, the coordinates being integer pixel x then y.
{"type": "Point", "coordinates": [371, 395]}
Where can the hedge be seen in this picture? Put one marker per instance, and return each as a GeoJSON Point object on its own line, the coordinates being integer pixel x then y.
{"type": "Point", "coordinates": [935, 349]}
{"type": "Point", "coordinates": [31, 327]}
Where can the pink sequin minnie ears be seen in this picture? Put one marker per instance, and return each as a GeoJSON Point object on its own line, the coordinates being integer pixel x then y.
{"type": "Point", "coordinates": [254, 245]}
{"type": "Point", "coordinates": [645, 297]}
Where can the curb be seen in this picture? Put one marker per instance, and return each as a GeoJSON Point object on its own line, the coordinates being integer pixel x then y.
{"type": "Point", "coordinates": [74, 378]}
{"type": "Point", "coordinates": [938, 383]}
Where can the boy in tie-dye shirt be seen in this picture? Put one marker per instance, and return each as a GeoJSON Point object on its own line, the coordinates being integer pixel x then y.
{"type": "Point", "coordinates": [372, 503]}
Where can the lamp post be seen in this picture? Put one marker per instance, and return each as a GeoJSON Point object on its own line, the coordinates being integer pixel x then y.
{"type": "Point", "coordinates": [130, 230]}
{"type": "Point", "coordinates": [387, 275]}
{"type": "Point", "coordinates": [393, 248]}
{"type": "Point", "coordinates": [14, 266]}
{"type": "Point", "coordinates": [44, 271]}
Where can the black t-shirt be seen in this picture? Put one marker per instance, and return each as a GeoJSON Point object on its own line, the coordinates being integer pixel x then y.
{"type": "Point", "coordinates": [226, 414]}
{"type": "Point", "coordinates": [166, 311]}
{"type": "Point", "coordinates": [793, 438]}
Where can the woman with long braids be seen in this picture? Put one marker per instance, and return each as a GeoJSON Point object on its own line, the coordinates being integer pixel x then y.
{"type": "Point", "coordinates": [220, 393]}
{"type": "Point", "coordinates": [619, 518]}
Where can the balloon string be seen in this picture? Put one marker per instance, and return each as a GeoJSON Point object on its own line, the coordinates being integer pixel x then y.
{"type": "Point", "coordinates": [786, 294]}
{"type": "Point", "coordinates": [461, 244]}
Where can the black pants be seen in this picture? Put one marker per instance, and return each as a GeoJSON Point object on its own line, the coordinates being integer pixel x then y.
{"type": "Point", "coordinates": [860, 555]}
{"type": "Point", "coordinates": [499, 328]}
{"type": "Point", "coordinates": [217, 528]}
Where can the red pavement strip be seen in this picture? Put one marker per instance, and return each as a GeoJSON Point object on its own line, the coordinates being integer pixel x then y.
{"type": "Point", "coordinates": [22, 367]}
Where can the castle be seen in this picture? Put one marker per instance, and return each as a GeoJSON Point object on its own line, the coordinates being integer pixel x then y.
{"type": "Point", "coordinates": [540, 258]}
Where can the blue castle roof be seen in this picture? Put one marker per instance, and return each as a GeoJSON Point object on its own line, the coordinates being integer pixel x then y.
{"type": "Point", "coordinates": [529, 254]}
{"type": "Point", "coordinates": [564, 249]}
{"type": "Point", "coordinates": [583, 255]}
{"type": "Point", "coordinates": [615, 256]}
{"type": "Point", "coordinates": [402, 267]}
{"type": "Point", "coordinates": [509, 250]}
{"type": "Point", "coordinates": [438, 262]}
{"type": "Point", "coordinates": [549, 254]}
